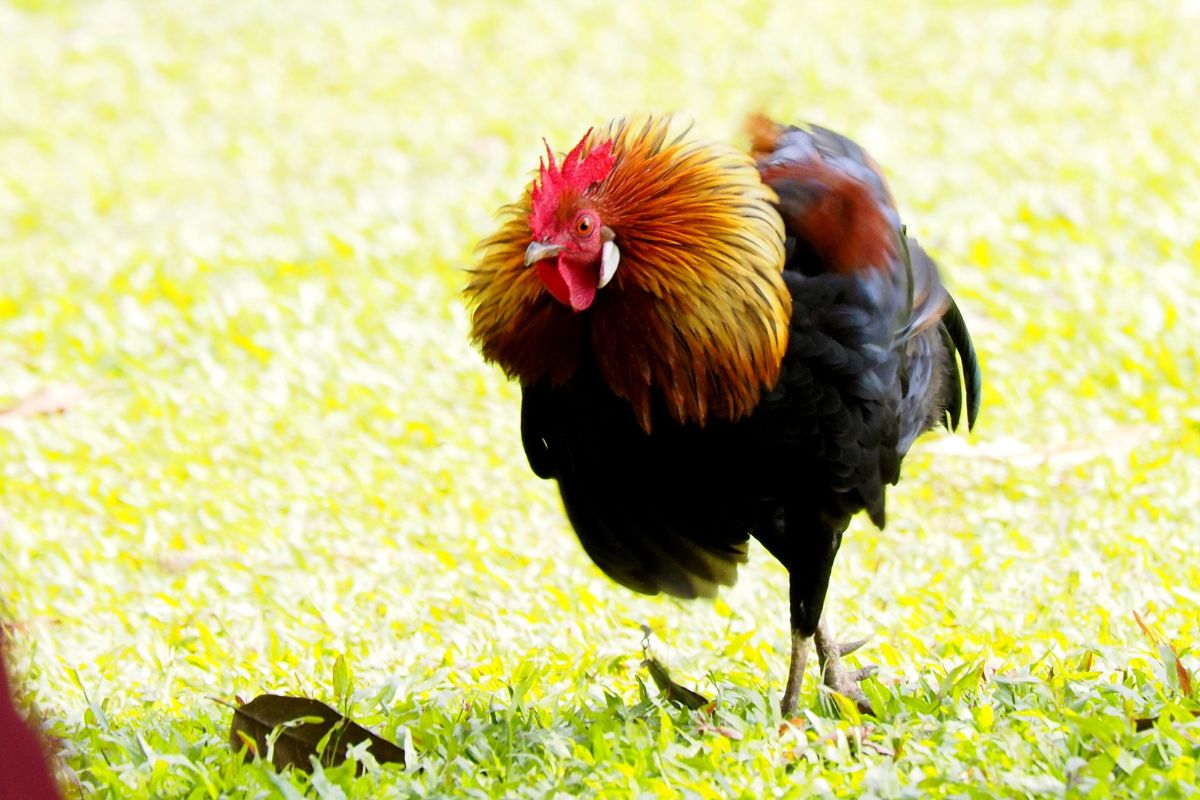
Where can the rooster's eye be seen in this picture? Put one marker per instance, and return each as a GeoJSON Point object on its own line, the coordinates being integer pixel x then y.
{"type": "Point", "coordinates": [584, 226]}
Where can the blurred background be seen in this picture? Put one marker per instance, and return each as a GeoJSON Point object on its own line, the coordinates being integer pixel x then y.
{"type": "Point", "coordinates": [245, 431]}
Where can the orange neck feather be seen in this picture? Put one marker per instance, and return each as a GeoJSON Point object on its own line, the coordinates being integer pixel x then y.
{"type": "Point", "coordinates": [697, 312]}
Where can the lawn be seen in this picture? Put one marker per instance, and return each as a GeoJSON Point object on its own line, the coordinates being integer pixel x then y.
{"type": "Point", "coordinates": [248, 437]}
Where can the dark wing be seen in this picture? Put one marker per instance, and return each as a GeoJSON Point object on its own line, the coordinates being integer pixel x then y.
{"type": "Point", "coordinates": [652, 511]}
{"type": "Point", "coordinates": [930, 303]}
{"type": "Point", "coordinates": [534, 410]}
{"type": "Point", "coordinates": [873, 324]}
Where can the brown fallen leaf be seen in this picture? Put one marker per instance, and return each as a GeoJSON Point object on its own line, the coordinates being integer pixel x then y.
{"type": "Point", "coordinates": [728, 733]}
{"type": "Point", "coordinates": [1184, 677]}
{"type": "Point", "coordinates": [1146, 723]}
{"type": "Point", "coordinates": [1146, 631]}
{"type": "Point", "coordinates": [880, 749]}
{"type": "Point", "coordinates": [676, 693]}
{"type": "Point", "coordinates": [1164, 647]}
{"type": "Point", "coordinates": [53, 398]}
{"type": "Point", "coordinates": [797, 723]}
{"type": "Point", "coordinates": [1113, 443]}
{"type": "Point", "coordinates": [302, 724]}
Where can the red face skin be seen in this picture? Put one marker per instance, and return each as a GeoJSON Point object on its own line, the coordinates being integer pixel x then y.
{"type": "Point", "coordinates": [574, 275]}
{"type": "Point", "coordinates": [568, 242]}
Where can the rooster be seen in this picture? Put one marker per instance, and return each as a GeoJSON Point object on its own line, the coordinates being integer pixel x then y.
{"type": "Point", "coordinates": [714, 345]}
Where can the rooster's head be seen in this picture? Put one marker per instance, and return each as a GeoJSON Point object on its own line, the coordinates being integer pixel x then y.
{"type": "Point", "coordinates": [575, 251]}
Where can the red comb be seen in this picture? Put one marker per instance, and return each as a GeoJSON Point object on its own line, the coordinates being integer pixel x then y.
{"type": "Point", "coordinates": [577, 173]}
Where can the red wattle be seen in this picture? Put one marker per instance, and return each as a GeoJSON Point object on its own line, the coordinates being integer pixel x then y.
{"type": "Point", "coordinates": [548, 272]}
{"type": "Point", "coordinates": [570, 283]}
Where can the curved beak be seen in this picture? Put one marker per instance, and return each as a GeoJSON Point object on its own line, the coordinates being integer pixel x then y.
{"type": "Point", "coordinates": [539, 250]}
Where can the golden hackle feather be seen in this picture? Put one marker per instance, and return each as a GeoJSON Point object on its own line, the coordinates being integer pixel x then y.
{"type": "Point", "coordinates": [697, 311]}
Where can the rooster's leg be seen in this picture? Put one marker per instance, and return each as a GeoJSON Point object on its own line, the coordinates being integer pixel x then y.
{"type": "Point", "coordinates": [806, 542]}
{"type": "Point", "coordinates": [791, 693]}
{"type": "Point", "coordinates": [837, 677]}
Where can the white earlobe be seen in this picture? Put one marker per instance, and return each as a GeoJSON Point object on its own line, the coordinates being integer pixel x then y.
{"type": "Point", "coordinates": [610, 257]}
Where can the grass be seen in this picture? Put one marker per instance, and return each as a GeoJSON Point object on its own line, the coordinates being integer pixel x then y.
{"type": "Point", "coordinates": [233, 237]}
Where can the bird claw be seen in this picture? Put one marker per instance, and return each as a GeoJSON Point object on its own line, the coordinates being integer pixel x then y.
{"type": "Point", "coordinates": [846, 648]}
{"type": "Point", "coordinates": [847, 683]}
{"type": "Point", "coordinates": [863, 672]}
{"type": "Point", "coordinates": [836, 676]}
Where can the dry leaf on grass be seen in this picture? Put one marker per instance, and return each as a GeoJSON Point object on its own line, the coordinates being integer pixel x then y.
{"type": "Point", "coordinates": [303, 728]}
{"type": "Point", "coordinates": [1108, 444]}
{"type": "Point", "coordinates": [722, 730]}
{"type": "Point", "coordinates": [53, 398]}
{"type": "Point", "coordinates": [674, 692]}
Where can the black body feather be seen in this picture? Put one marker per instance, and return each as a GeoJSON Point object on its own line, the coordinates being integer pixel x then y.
{"type": "Point", "coordinates": [871, 362]}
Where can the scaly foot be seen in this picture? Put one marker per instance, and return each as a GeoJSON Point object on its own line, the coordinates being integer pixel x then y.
{"type": "Point", "coordinates": [837, 677]}
{"type": "Point", "coordinates": [791, 694]}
